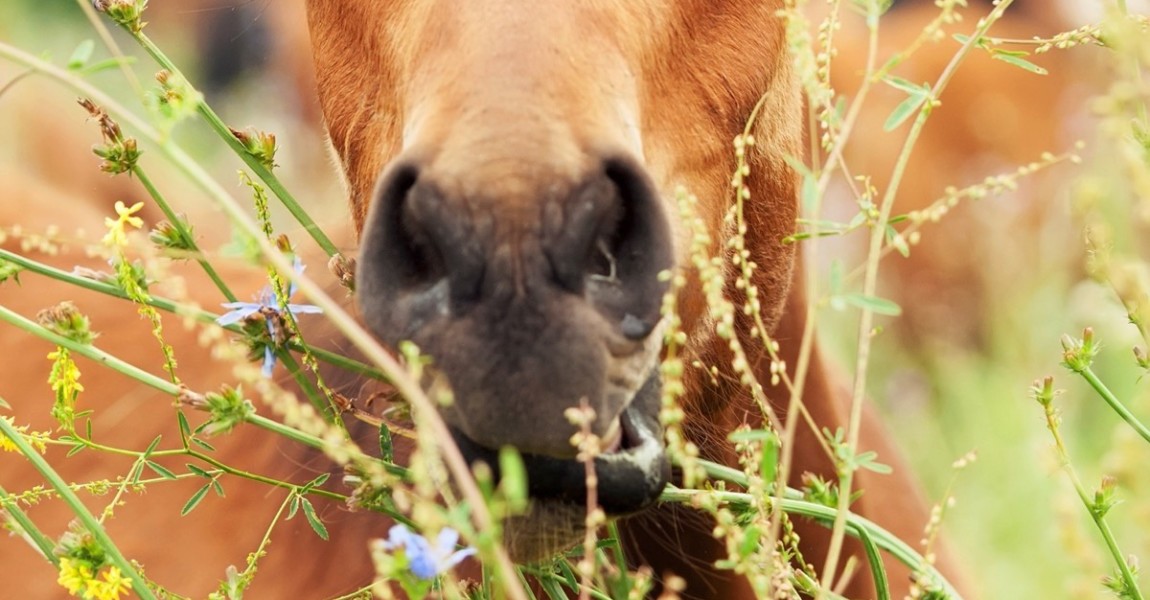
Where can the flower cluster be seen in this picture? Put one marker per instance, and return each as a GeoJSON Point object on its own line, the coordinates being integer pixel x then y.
{"type": "Point", "coordinates": [85, 570]}
{"type": "Point", "coordinates": [81, 580]}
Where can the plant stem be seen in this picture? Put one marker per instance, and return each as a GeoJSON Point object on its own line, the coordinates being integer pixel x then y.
{"type": "Point", "coordinates": [9, 505]}
{"type": "Point", "coordinates": [825, 514]}
{"type": "Point", "coordinates": [185, 235]}
{"type": "Point", "coordinates": [139, 584]}
{"type": "Point", "coordinates": [1129, 581]}
{"type": "Point", "coordinates": [870, 284]}
{"type": "Point", "coordinates": [225, 133]}
{"type": "Point", "coordinates": [1116, 404]}
{"type": "Point", "coordinates": [172, 306]}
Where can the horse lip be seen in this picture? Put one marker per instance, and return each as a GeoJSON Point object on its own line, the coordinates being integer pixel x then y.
{"type": "Point", "coordinates": [630, 477]}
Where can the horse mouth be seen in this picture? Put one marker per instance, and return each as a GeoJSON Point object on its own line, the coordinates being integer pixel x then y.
{"type": "Point", "coordinates": [632, 469]}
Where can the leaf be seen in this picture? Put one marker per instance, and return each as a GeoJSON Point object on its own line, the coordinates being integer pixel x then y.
{"type": "Point", "coordinates": [318, 481]}
{"type": "Point", "coordinates": [897, 241]}
{"type": "Point", "coordinates": [185, 430]}
{"type": "Point", "coordinates": [1012, 59]}
{"type": "Point", "coordinates": [203, 444]}
{"type": "Point", "coordinates": [898, 83]}
{"type": "Point", "coordinates": [313, 520]}
{"type": "Point", "coordinates": [195, 500]}
{"type": "Point", "coordinates": [160, 470]}
{"type": "Point", "coordinates": [4, 404]}
{"type": "Point", "coordinates": [198, 471]}
{"type": "Point", "coordinates": [218, 487]}
{"type": "Point", "coordinates": [902, 112]}
{"type": "Point", "coordinates": [386, 450]}
{"type": "Point", "coordinates": [152, 447]}
{"type": "Point", "coordinates": [867, 461]}
{"type": "Point", "coordinates": [874, 559]}
{"type": "Point", "coordinates": [108, 63]}
{"type": "Point", "coordinates": [81, 54]}
{"type": "Point", "coordinates": [878, 305]}
{"type": "Point", "coordinates": [75, 450]}
{"type": "Point", "coordinates": [513, 478]}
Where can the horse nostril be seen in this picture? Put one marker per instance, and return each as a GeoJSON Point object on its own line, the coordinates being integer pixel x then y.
{"type": "Point", "coordinates": [417, 246]}
{"type": "Point", "coordinates": [611, 244]}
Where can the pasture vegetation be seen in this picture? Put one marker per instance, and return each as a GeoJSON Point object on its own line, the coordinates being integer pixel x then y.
{"type": "Point", "coordinates": [1055, 506]}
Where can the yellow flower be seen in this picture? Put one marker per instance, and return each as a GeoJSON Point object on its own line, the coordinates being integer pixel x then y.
{"type": "Point", "coordinates": [77, 577]}
{"type": "Point", "coordinates": [35, 439]}
{"type": "Point", "coordinates": [116, 236]}
{"type": "Point", "coordinates": [74, 576]}
{"type": "Point", "coordinates": [110, 587]}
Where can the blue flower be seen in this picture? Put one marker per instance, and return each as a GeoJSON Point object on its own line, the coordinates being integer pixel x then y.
{"type": "Point", "coordinates": [427, 560]}
{"type": "Point", "coordinates": [267, 307]}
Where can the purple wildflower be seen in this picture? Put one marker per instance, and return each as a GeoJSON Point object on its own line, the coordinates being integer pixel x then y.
{"type": "Point", "coordinates": [427, 560]}
{"type": "Point", "coordinates": [267, 307]}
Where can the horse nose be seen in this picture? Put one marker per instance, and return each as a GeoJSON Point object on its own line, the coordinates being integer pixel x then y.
{"type": "Point", "coordinates": [429, 253]}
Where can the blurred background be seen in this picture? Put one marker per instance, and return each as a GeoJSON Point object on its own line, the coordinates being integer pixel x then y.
{"type": "Point", "coordinates": [986, 292]}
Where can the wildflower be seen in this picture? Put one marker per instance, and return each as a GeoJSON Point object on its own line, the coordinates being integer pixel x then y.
{"type": "Point", "coordinates": [116, 236]}
{"type": "Point", "coordinates": [267, 307]}
{"type": "Point", "coordinates": [426, 560]}
{"type": "Point", "coordinates": [37, 440]}
{"type": "Point", "coordinates": [74, 575]}
{"type": "Point", "coordinates": [78, 577]}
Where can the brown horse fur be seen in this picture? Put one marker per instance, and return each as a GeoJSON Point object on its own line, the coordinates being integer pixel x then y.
{"type": "Point", "coordinates": [669, 84]}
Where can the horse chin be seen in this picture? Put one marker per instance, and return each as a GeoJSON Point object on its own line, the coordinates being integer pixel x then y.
{"type": "Point", "coordinates": [631, 474]}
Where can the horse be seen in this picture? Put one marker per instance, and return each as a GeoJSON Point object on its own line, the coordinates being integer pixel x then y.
{"type": "Point", "coordinates": [511, 169]}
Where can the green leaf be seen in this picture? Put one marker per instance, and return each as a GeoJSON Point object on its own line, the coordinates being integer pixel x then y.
{"type": "Point", "coordinates": [195, 500]}
{"type": "Point", "coordinates": [203, 444]}
{"type": "Point", "coordinates": [878, 305]}
{"type": "Point", "coordinates": [107, 64]}
{"type": "Point", "coordinates": [313, 519]}
{"type": "Point", "coordinates": [1012, 59]}
{"type": "Point", "coordinates": [74, 450]}
{"type": "Point", "coordinates": [198, 471]}
{"type": "Point", "coordinates": [902, 112]}
{"type": "Point", "coordinates": [4, 404]}
{"type": "Point", "coordinates": [185, 430]}
{"type": "Point", "coordinates": [318, 481]}
{"type": "Point", "coordinates": [912, 89]}
{"type": "Point", "coordinates": [160, 470]}
{"type": "Point", "coordinates": [750, 541]}
{"type": "Point", "coordinates": [386, 450]}
{"type": "Point", "coordinates": [293, 506]}
{"type": "Point", "coordinates": [152, 447]}
{"type": "Point", "coordinates": [874, 559]}
{"type": "Point", "coordinates": [897, 241]}
{"type": "Point", "coordinates": [218, 487]}
{"type": "Point", "coordinates": [513, 478]}
{"type": "Point", "coordinates": [81, 54]}
{"type": "Point", "coordinates": [867, 461]}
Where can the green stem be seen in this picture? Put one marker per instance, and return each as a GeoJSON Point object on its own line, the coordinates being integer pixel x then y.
{"type": "Point", "coordinates": [185, 235]}
{"type": "Point", "coordinates": [870, 285]}
{"type": "Point", "coordinates": [165, 304]}
{"type": "Point", "coordinates": [254, 164]}
{"type": "Point", "coordinates": [93, 526]}
{"type": "Point", "coordinates": [9, 505]}
{"type": "Point", "coordinates": [1116, 404]}
{"type": "Point", "coordinates": [1129, 581]}
{"type": "Point", "coordinates": [825, 514]}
